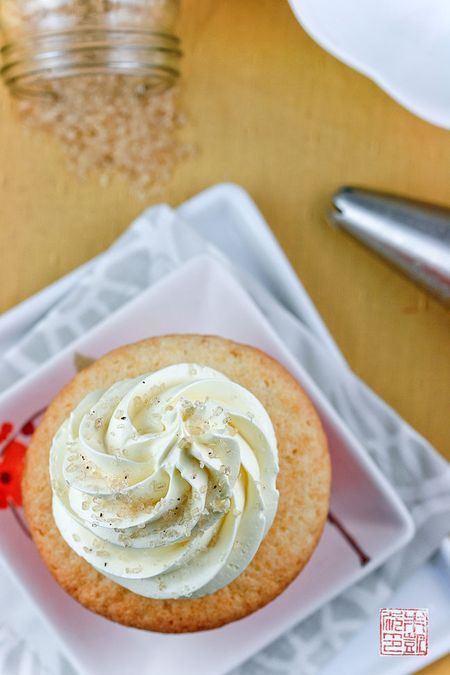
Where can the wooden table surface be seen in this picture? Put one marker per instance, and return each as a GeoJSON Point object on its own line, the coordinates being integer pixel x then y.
{"type": "Point", "coordinates": [273, 112]}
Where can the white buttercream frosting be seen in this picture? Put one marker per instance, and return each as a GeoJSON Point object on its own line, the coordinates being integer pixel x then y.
{"type": "Point", "coordinates": [166, 483]}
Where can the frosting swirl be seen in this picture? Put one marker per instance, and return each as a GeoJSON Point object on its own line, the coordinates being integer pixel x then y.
{"type": "Point", "coordinates": [166, 483]}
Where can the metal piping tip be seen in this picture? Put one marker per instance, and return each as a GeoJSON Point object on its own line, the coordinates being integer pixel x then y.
{"type": "Point", "coordinates": [412, 235]}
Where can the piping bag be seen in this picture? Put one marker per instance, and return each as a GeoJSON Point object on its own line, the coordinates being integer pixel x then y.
{"type": "Point", "coordinates": [412, 235]}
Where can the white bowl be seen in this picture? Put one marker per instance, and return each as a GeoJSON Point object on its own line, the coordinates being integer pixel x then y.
{"type": "Point", "coordinates": [403, 45]}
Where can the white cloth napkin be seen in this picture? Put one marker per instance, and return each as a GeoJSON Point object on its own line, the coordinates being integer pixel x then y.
{"type": "Point", "coordinates": [154, 245]}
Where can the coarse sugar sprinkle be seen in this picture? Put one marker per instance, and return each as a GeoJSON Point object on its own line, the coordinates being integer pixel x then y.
{"type": "Point", "coordinates": [113, 125]}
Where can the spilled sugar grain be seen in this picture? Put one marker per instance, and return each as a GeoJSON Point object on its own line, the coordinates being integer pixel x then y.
{"type": "Point", "coordinates": [113, 125]}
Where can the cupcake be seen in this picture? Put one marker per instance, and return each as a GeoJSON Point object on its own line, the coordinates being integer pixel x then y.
{"type": "Point", "coordinates": [178, 484]}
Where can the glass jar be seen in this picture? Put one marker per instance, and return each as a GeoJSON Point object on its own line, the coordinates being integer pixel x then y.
{"type": "Point", "coordinates": [46, 41]}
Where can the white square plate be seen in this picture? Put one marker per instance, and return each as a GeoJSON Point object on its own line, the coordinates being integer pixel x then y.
{"type": "Point", "coordinates": [203, 296]}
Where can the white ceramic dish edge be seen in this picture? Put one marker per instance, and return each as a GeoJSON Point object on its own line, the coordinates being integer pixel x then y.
{"type": "Point", "coordinates": [426, 110]}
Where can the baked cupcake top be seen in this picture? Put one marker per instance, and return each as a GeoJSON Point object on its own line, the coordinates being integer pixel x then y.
{"type": "Point", "coordinates": [166, 483]}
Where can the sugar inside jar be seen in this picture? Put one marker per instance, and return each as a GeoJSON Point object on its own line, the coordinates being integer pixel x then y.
{"type": "Point", "coordinates": [98, 76]}
{"type": "Point", "coordinates": [44, 41]}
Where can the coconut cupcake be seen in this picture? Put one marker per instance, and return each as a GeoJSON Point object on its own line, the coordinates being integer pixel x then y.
{"type": "Point", "coordinates": [178, 484]}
